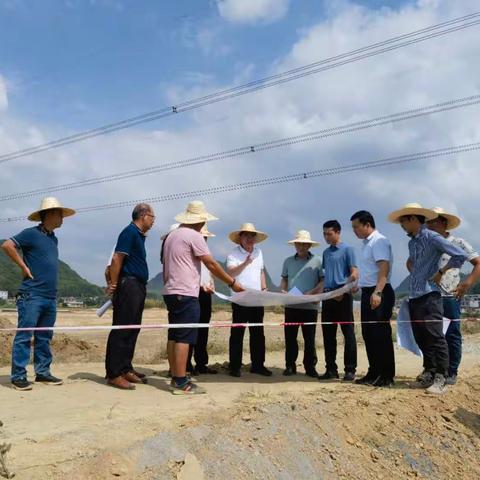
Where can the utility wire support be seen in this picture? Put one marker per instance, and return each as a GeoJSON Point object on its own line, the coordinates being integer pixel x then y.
{"type": "Point", "coordinates": [378, 48]}
{"type": "Point", "coordinates": [268, 145]}
{"type": "Point", "coordinates": [293, 177]}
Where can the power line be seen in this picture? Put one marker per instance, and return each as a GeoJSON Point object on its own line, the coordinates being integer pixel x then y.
{"type": "Point", "coordinates": [294, 177]}
{"type": "Point", "coordinates": [228, 154]}
{"type": "Point", "coordinates": [378, 48]}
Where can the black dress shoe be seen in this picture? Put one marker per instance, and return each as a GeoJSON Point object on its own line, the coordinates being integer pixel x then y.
{"type": "Point", "coordinates": [261, 371]}
{"type": "Point", "coordinates": [311, 373]}
{"type": "Point", "coordinates": [368, 379]}
{"type": "Point", "coordinates": [328, 375]}
{"type": "Point", "coordinates": [289, 371]}
{"type": "Point", "coordinates": [235, 373]}
{"type": "Point", "coordinates": [382, 381]}
{"type": "Point", "coordinates": [204, 369]}
{"type": "Point", "coordinates": [348, 377]}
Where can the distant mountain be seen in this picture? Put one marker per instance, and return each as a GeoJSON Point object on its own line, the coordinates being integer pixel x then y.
{"type": "Point", "coordinates": [70, 283]}
{"type": "Point", "coordinates": [155, 285]}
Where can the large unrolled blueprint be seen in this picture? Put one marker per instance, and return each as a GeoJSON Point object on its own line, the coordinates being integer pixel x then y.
{"type": "Point", "coordinates": [256, 298]}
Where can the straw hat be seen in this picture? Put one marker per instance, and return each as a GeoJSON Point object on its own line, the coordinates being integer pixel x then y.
{"type": "Point", "coordinates": [303, 236]}
{"type": "Point", "coordinates": [49, 203]}
{"type": "Point", "coordinates": [452, 220]}
{"type": "Point", "coordinates": [204, 231]}
{"type": "Point", "coordinates": [247, 227]}
{"type": "Point", "coordinates": [173, 227]}
{"type": "Point", "coordinates": [195, 213]}
{"type": "Point", "coordinates": [412, 209]}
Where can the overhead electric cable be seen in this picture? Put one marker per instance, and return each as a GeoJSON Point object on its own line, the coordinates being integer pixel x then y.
{"type": "Point", "coordinates": [293, 177]}
{"type": "Point", "coordinates": [368, 51]}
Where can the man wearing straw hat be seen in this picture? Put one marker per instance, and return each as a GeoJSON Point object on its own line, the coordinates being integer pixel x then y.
{"type": "Point", "coordinates": [184, 250]}
{"type": "Point", "coordinates": [128, 275]}
{"type": "Point", "coordinates": [207, 287]}
{"type": "Point", "coordinates": [302, 271]}
{"type": "Point", "coordinates": [37, 297]}
{"type": "Point", "coordinates": [378, 299]}
{"type": "Point", "coordinates": [245, 264]}
{"type": "Point", "coordinates": [425, 302]}
{"type": "Point", "coordinates": [451, 286]}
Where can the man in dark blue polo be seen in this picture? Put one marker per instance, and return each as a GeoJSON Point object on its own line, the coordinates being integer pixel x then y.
{"type": "Point", "coordinates": [340, 268]}
{"type": "Point", "coordinates": [128, 275]}
{"type": "Point", "coordinates": [37, 297]}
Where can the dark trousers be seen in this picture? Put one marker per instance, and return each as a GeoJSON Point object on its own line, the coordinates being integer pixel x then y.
{"type": "Point", "coordinates": [429, 335]}
{"type": "Point", "coordinates": [378, 336]}
{"type": "Point", "coordinates": [199, 350]}
{"type": "Point", "coordinates": [257, 338]}
{"type": "Point", "coordinates": [298, 315]}
{"type": "Point", "coordinates": [452, 310]}
{"type": "Point", "coordinates": [128, 303]}
{"type": "Point", "coordinates": [339, 311]}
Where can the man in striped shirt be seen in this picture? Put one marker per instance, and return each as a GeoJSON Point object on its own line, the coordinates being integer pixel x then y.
{"type": "Point", "coordinates": [425, 301]}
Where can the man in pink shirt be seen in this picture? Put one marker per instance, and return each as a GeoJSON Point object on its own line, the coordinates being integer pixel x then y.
{"type": "Point", "coordinates": [183, 251]}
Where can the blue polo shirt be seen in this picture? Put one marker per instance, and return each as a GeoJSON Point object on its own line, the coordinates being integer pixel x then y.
{"type": "Point", "coordinates": [131, 242]}
{"type": "Point", "coordinates": [40, 254]}
{"type": "Point", "coordinates": [337, 263]}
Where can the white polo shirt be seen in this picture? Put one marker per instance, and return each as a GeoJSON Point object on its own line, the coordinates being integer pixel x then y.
{"type": "Point", "coordinates": [376, 247]}
{"type": "Point", "coordinates": [251, 275]}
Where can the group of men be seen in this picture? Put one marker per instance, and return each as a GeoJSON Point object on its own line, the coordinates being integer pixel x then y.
{"type": "Point", "coordinates": [434, 262]}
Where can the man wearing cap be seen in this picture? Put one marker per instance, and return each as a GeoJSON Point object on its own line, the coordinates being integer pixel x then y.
{"type": "Point", "coordinates": [302, 271]}
{"type": "Point", "coordinates": [245, 264]}
{"type": "Point", "coordinates": [199, 350]}
{"type": "Point", "coordinates": [425, 302]}
{"type": "Point", "coordinates": [37, 297]}
{"type": "Point", "coordinates": [378, 299]}
{"type": "Point", "coordinates": [184, 250]}
{"type": "Point", "coordinates": [451, 286]}
{"type": "Point", "coordinates": [340, 267]}
{"type": "Point", "coordinates": [128, 275]}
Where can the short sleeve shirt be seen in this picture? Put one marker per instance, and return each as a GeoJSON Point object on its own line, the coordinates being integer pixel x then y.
{"type": "Point", "coordinates": [131, 242]}
{"type": "Point", "coordinates": [40, 254]}
{"type": "Point", "coordinates": [304, 274]}
{"type": "Point", "coordinates": [451, 278]}
{"type": "Point", "coordinates": [337, 263]}
{"type": "Point", "coordinates": [375, 249]}
{"type": "Point", "coordinates": [250, 277]}
{"type": "Point", "coordinates": [181, 261]}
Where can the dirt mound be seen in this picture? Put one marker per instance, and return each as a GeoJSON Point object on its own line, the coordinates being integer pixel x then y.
{"type": "Point", "coordinates": [5, 341]}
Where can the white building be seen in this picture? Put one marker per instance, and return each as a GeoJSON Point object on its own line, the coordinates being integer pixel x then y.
{"type": "Point", "coordinates": [3, 295]}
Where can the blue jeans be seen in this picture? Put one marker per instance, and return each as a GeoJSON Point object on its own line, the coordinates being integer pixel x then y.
{"type": "Point", "coordinates": [33, 311]}
{"type": "Point", "coordinates": [451, 309]}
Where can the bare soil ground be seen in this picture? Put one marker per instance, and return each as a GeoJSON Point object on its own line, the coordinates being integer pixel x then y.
{"type": "Point", "coordinates": [251, 427]}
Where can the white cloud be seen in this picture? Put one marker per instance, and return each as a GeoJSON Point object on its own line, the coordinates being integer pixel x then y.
{"type": "Point", "coordinates": [423, 74]}
{"type": "Point", "coordinates": [253, 11]}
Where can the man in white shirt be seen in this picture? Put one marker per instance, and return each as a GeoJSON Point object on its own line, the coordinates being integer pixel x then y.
{"type": "Point", "coordinates": [378, 299]}
{"type": "Point", "coordinates": [451, 286]}
{"type": "Point", "coordinates": [245, 264]}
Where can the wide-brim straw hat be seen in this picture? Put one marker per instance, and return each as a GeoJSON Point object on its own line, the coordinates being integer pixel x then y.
{"type": "Point", "coordinates": [173, 227]}
{"type": "Point", "coordinates": [195, 213]}
{"type": "Point", "coordinates": [204, 231]}
{"type": "Point", "coordinates": [303, 236]}
{"type": "Point", "coordinates": [247, 227]}
{"type": "Point", "coordinates": [452, 220]}
{"type": "Point", "coordinates": [50, 203]}
{"type": "Point", "coordinates": [412, 209]}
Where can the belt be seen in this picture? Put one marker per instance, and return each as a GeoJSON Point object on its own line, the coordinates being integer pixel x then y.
{"type": "Point", "coordinates": [133, 277]}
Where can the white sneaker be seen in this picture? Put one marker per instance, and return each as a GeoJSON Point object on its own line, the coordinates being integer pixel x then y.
{"type": "Point", "coordinates": [439, 386]}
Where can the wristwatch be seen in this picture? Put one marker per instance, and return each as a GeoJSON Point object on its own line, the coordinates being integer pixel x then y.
{"type": "Point", "coordinates": [379, 293]}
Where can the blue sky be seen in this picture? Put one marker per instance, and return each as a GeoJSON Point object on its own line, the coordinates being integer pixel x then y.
{"type": "Point", "coordinates": [72, 65]}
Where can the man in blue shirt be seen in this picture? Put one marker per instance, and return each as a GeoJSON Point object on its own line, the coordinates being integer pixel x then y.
{"type": "Point", "coordinates": [302, 271]}
{"type": "Point", "coordinates": [37, 297]}
{"type": "Point", "coordinates": [128, 277]}
{"type": "Point", "coordinates": [425, 301]}
{"type": "Point", "coordinates": [340, 268]}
